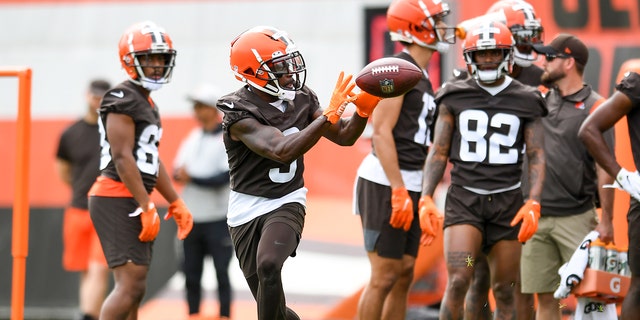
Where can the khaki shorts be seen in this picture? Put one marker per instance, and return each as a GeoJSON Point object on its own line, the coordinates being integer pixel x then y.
{"type": "Point", "coordinates": [553, 244]}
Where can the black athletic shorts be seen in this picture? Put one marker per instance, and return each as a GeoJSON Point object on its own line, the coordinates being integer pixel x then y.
{"type": "Point", "coordinates": [246, 237]}
{"type": "Point", "coordinates": [118, 233]}
{"type": "Point", "coordinates": [633, 220]}
{"type": "Point", "coordinates": [491, 214]}
{"type": "Point", "coordinates": [374, 208]}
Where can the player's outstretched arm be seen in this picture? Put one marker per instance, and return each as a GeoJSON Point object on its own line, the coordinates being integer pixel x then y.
{"type": "Point", "coordinates": [341, 96]}
{"type": "Point", "coordinates": [347, 131]}
{"type": "Point", "coordinates": [271, 143]}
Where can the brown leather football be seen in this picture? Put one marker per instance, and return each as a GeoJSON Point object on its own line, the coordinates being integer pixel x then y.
{"type": "Point", "coordinates": [388, 77]}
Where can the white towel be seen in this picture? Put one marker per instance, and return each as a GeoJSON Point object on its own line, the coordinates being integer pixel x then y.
{"type": "Point", "coordinates": [589, 309]}
{"type": "Point", "coordinates": [572, 272]}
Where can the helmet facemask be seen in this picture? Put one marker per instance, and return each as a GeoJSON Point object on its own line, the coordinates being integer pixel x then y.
{"type": "Point", "coordinates": [485, 36]}
{"type": "Point", "coordinates": [492, 75]}
{"type": "Point", "coordinates": [445, 35]}
{"type": "Point", "coordinates": [141, 60]}
{"type": "Point", "coordinates": [272, 70]}
{"type": "Point", "coordinates": [525, 38]}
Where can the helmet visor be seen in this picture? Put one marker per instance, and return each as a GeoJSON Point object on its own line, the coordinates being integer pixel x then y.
{"type": "Point", "coordinates": [290, 64]}
{"type": "Point", "coordinates": [446, 34]}
{"type": "Point", "coordinates": [442, 30]}
{"type": "Point", "coordinates": [526, 37]}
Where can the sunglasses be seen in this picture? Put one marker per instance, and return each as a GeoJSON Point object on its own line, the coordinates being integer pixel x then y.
{"type": "Point", "coordinates": [550, 57]}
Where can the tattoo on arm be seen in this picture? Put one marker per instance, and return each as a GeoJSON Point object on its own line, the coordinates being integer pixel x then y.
{"type": "Point", "coordinates": [534, 138]}
{"type": "Point", "coordinates": [439, 151]}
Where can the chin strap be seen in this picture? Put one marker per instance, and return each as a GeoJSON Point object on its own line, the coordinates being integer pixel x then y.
{"type": "Point", "coordinates": [522, 59]}
{"type": "Point", "coordinates": [488, 76]}
{"type": "Point", "coordinates": [151, 86]}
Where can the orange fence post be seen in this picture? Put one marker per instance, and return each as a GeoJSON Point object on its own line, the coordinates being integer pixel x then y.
{"type": "Point", "coordinates": [20, 230]}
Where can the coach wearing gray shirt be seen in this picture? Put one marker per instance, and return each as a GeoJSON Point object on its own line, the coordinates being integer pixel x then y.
{"type": "Point", "coordinates": [201, 165]}
{"type": "Point", "coordinates": [573, 183]}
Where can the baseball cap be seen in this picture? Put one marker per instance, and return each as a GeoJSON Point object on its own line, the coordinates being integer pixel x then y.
{"type": "Point", "coordinates": [98, 87]}
{"type": "Point", "coordinates": [564, 45]}
{"type": "Point", "coordinates": [205, 93]}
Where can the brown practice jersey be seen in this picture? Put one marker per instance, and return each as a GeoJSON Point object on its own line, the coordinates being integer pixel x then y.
{"type": "Point", "coordinates": [127, 99]}
{"type": "Point", "coordinates": [487, 142]}
{"type": "Point", "coordinates": [413, 131]}
{"type": "Point", "coordinates": [250, 173]}
{"type": "Point", "coordinates": [80, 146]}
{"type": "Point", "coordinates": [630, 86]}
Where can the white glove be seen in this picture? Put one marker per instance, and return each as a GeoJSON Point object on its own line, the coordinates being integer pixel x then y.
{"type": "Point", "coordinates": [627, 181]}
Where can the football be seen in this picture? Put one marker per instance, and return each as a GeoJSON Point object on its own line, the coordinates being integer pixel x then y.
{"type": "Point", "coordinates": [388, 77]}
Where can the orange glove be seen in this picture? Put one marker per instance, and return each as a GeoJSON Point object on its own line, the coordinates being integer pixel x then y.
{"type": "Point", "coordinates": [181, 214]}
{"type": "Point", "coordinates": [461, 32]}
{"type": "Point", "coordinates": [401, 209]}
{"type": "Point", "coordinates": [430, 220]}
{"type": "Point", "coordinates": [342, 95]}
{"type": "Point", "coordinates": [150, 222]}
{"type": "Point", "coordinates": [365, 103]}
{"type": "Point", "coordinates": [529, 215]}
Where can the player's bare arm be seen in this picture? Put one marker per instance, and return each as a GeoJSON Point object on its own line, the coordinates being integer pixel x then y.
{"type": "Point", "coordinates": [384, 120]}
{"type": "Point", "coordinates": [346, 131]}
{"type": "Point", "coordinates": [534, 139]}
{"type": "Point", "coordinates": [606, 196]}
{"type": "Point", "coordinates": [601, 120]}
{"type": "Point", "coordinates": [164, 184]}
{"type": "Point", "coordinates": [120, 130]}
{"type": "Point", "coordinates": [439, 151]}
{"type": "Point", "coordinates": [271, 143]}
